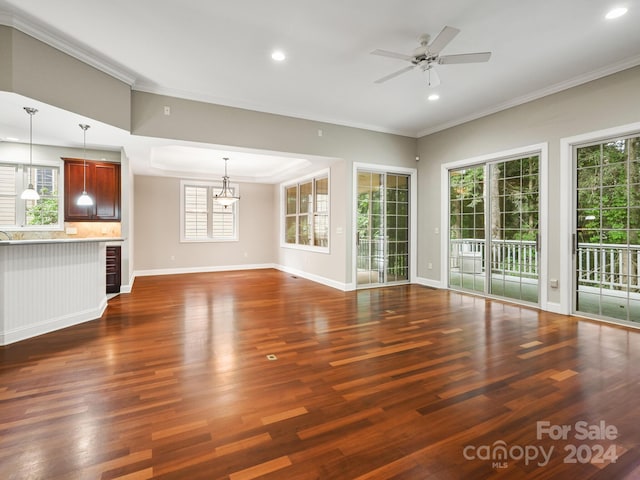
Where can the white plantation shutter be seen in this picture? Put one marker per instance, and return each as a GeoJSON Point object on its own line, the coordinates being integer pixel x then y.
{"type": "Point", "coordinates": [203, 219]}
{"type": "Point", "coordinates": [195, 212]}
{"type": "Point", "coordinates": [7, 195]}
{"type": "Point", "coordinates": [222, 220]}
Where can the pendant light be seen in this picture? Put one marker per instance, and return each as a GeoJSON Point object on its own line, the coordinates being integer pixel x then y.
{"type": "Point", "coordinates": [226, 196]}
{"type": "Point", "coordinates": [30, 193]}
{"type": "Point", "coordinates": [84, 200]}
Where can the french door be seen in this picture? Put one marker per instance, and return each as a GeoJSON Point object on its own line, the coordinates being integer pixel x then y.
{"type": "Point", "coordinates": [382, 216]}
{"type": "Point", "coordinates": [494, 228]}
{"type": "Point", "coordinates": [606, 243]}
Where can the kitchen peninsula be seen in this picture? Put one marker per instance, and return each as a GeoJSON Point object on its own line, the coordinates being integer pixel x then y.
{"type": "Point", "coordinates": [49, 284]}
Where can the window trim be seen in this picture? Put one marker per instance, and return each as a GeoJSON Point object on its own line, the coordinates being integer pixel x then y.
{"type": "Point", "coordinates": [567, 208]}
{"type": "Point", "coordinates": [324, 173]}
{"type": "Point", "coordinates": [212, 187]}
{"type": "Point", "coordinates": [22, 171]}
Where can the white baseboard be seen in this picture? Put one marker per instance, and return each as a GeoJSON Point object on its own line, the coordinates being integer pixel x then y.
{"type": "Point", "coordinates": [52, 324]}
{"type": "Point", "coordinates": [427, 282]}
{"type": "Point", "coordinates": [208, 269]}
{"type": "Point", "coordinates": [350, 287]}
{"type": "Point", "coordinates": [314, 278]}
{"type": "Point", "coordinates": [555, 308]}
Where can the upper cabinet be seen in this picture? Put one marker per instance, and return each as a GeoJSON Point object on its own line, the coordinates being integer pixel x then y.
{"type": "Point", "coordinates": [102, 185]}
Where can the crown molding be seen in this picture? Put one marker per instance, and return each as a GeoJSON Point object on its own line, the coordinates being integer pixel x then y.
{"type": "Point", "coordinates": [544, 92]}
{"type": "Point", "coordinates": [58, 40]}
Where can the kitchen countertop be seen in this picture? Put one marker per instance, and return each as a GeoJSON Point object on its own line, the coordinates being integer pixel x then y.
{"type": "Point", "coordinates": [36, 241]}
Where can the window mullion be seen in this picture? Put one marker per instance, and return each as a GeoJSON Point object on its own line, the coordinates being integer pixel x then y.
{"type": "Point", "coordinates": [210, 212]}
{"type": "Point", "coordinates": [312, 212]}
{"type": "Point", "coordinates": [297, 242]}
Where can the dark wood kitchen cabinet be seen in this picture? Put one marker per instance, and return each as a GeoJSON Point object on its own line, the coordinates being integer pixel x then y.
{"type": "Point", "coordinates": [103, 186]}
{"type": "Point", "coordinates": [114, 276]}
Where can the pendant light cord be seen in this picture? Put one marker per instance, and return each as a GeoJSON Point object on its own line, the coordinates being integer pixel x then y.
{"type": "Point", "coordinates": [30, 148]}
{"type": "Point", "coordinates": [84, 128]}
{"type": "Point", "coordinates": [31, 112]}
{"type": "Point", "coordinates": [84, 158]}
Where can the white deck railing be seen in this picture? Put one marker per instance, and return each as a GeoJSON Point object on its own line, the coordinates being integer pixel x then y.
{"type": "Point", "coordinates": [608, 265]}
{"type": "Point", "coordinates": [604, 265]}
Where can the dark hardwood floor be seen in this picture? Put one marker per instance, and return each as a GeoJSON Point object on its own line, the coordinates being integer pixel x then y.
{"type": "Point", "coordinates": [405, 382]}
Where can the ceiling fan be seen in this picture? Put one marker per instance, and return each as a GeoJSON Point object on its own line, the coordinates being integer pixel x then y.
{"type": "Point", "coordinates": [427, 55]}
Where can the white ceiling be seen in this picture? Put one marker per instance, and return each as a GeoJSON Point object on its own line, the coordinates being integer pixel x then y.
{"type": "Point", "coordinates": [219, 52]}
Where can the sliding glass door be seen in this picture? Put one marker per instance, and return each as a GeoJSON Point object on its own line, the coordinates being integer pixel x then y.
{"type": "Point", "coordinates": [514, 228]}
{"type": "Point", "coordinates": [467, 234]}
{"type": "Point", "coordinates": [382, 218]}
{"type": "Point", "coordinates": [606, 243]}
{"type": "Point", "coordinates": [494, 228]}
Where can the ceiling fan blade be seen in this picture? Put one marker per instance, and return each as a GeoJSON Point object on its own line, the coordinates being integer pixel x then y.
{"type": "Point", "coordinates": [442, 40]}
{"type": "Point", "coordinates": [433, 79]}
{"type": "Point", "coordinates": [465, 58]}
{"type": "Point", "coordinates": [387, 53]}
{"type": "Point", "coordinates": [394, 74]}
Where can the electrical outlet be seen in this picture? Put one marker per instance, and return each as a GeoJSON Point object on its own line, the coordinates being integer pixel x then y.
{"type": "Point", "coordinates": [430, 266]}
{"type": "Point", "coordinates": [167, 110]}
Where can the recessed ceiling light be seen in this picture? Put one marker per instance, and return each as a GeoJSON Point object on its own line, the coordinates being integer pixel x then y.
{"type": "Point", "coordinates": [278, 55]}
{"type": "Point", "coordinates": [615, 13]}
{"type": "Point", "coordinates": [433, 97]}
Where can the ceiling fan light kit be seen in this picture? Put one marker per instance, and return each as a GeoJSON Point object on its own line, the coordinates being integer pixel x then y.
{"type": "Point", "coordinates": [427, 55]}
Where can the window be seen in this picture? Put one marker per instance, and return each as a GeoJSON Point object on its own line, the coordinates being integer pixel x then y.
{"type": "Point", "coordinates": [202, 218]}
{"type": "Point", "coordinates": [307, 213]}
{"type": "Point", "coordinates": [18, 214]}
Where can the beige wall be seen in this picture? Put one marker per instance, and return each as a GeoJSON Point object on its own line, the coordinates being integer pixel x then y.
{"type": "Point", "coordinates": [157, 229]}
{"type": "Point", "coordinates": [6, 58]}
{"type": "Point", "coordinates": [217, 124]}
{"type": "Point", "coordinates": [36, 70]}
{"type": "Point", "coordinates": [604, 103]}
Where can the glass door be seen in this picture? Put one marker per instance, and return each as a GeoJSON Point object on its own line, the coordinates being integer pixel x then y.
{"type": "Point", "coordinates": [607, 243]}
{"type": "Point", "coordinates": [467, 228]}
{"type": "Point", "coordinates": [493, 228]}
{"type": "Point", "coordinates": [513, 231]}
{"type": "Point", "coordinates": [382, 228]}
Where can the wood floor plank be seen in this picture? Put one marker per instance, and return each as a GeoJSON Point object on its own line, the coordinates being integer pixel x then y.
{"type": "Point", "coordinates": [262, 469]}
{"type": "Point", "coordinates": [380, 352]}
{"type": "Point", "coordinates": [173, 382]}
{"type": "Point", "coordinates": [278, 417]}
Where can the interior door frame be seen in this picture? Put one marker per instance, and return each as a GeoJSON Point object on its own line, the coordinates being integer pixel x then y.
{"type": "Point", "coordinates": [413, 216]}
{"type": "Point", "coordinates": [540, 149]}
{"type": "Point", "coordinates": [568, 205]}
